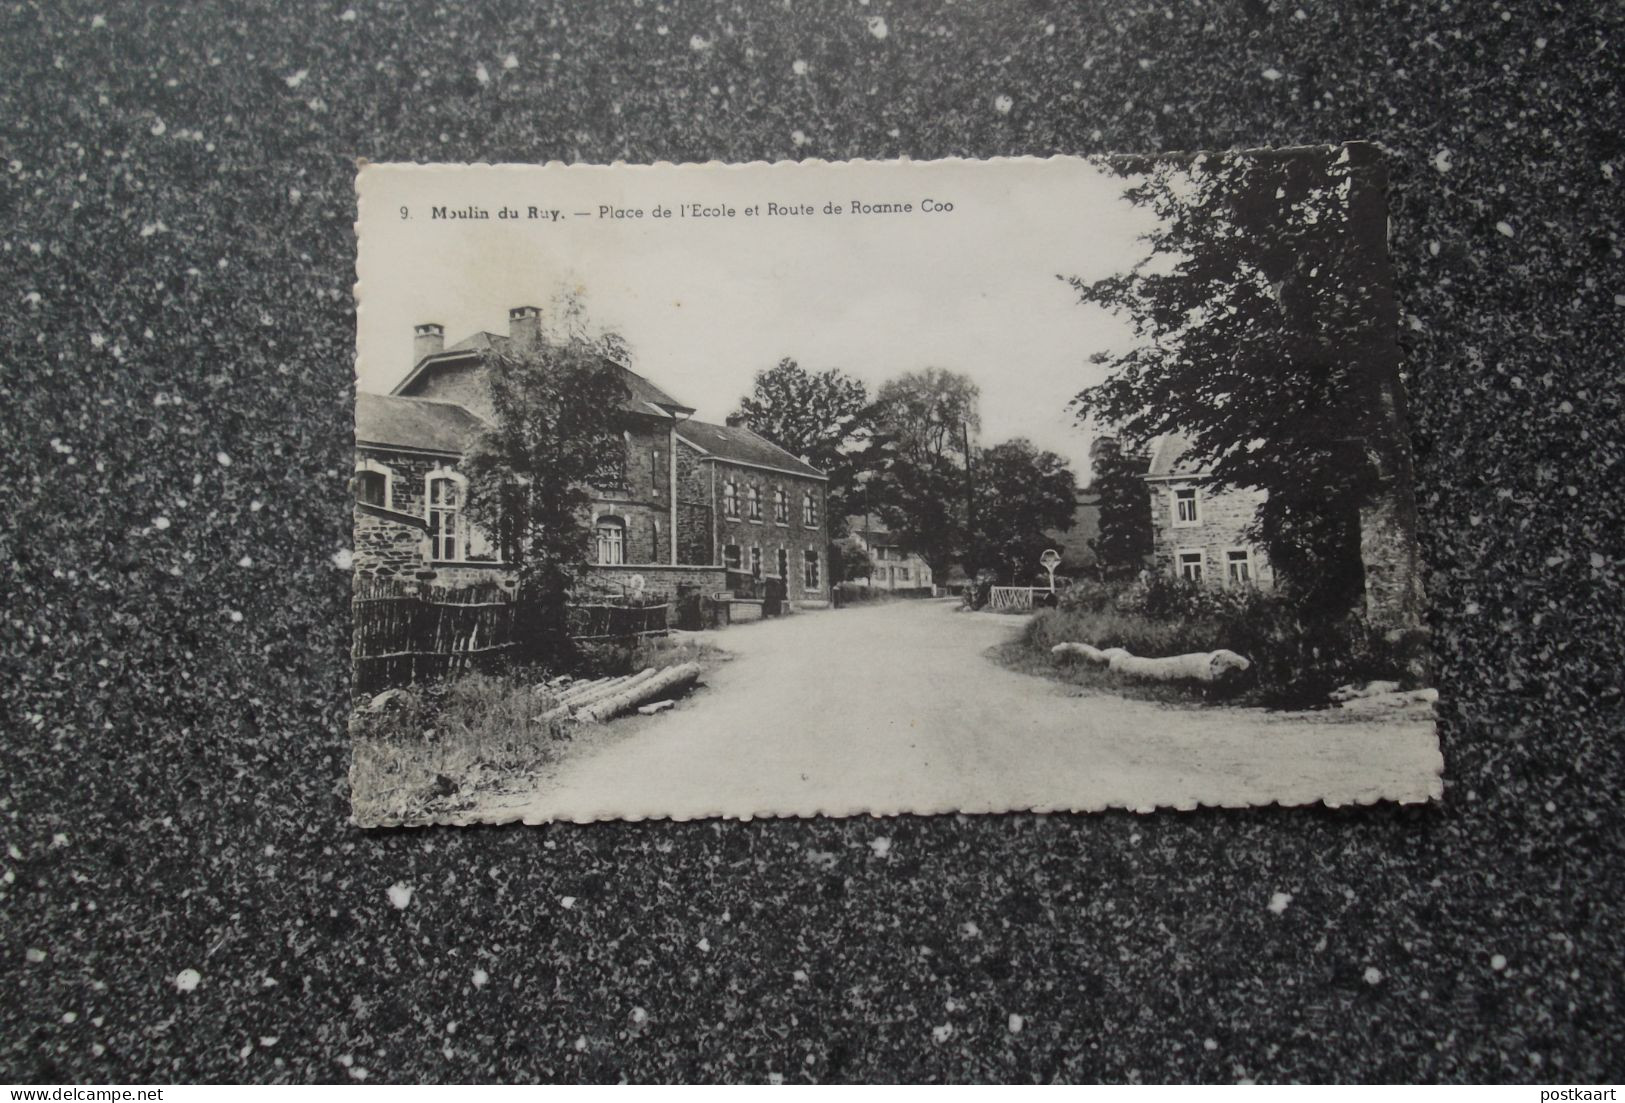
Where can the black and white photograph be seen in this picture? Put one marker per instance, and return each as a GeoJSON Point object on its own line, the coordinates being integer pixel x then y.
{"type": "Point", "coordinates": [827, 542]}
{"type": "Point", "coordinates": [833, 489]}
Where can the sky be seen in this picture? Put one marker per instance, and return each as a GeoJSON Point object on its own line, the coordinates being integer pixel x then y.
{"type": "Point", "coordinates": [705, 303]}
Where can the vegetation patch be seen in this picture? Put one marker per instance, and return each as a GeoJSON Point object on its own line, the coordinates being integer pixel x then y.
{"type": "Point", "coordinates": [1297, 659]}
{"type": "Point", "coordinates": [435, 749]}
{"type": "Point", "coordinates": [430, 750]}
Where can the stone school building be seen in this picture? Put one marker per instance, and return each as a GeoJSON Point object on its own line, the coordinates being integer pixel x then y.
{"type": "Point", "coordinates": [691, 502]}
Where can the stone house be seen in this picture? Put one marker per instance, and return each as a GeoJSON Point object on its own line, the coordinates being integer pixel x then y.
{"type": "Point", "coordinates": [689, 501]}
{"type": "Point", "coordinates": [890, 567]}
{"type": "Point", "coordinates": [767, 508]}
{"type": "Point", "coordinates": [1198, 531]}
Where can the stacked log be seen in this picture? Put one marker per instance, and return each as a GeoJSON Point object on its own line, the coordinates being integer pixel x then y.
{"type": "Point", "coordinates": [673, 679]}
{"type": "Point", "coordinates": [606, 698]}
{"type": "Point", "coordinates": [585, 693]}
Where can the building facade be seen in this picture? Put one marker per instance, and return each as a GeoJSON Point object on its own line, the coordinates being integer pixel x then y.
{"type": "Point", "coordinates": [686, 496]}
{"type": "Point", "coordinates": [890, 567]}
{"type": "Point", "coordinates": [767, 508]}
{"type": "Point", "coordinates": [1199, 531]}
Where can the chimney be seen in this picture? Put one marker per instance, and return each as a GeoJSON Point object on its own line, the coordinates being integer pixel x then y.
{"type": "Point", "coordinates": [525, 326]}
{"type": "Point", "coordinates": [738, 421]}
{"type": "Point", "coordinates": [428, 338]}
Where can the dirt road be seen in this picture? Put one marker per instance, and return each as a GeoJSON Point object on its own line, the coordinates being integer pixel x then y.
{"type": "Point", "coordinates": [897, 708]}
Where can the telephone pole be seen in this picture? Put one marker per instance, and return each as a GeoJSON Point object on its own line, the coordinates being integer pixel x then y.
{"type": "Point", "coordinates": [970, 486]}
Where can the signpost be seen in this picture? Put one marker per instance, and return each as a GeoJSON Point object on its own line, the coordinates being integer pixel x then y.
{"type": "Point", "coordinates": [1049, 561]}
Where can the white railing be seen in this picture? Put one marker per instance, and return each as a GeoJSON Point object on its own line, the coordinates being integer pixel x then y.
{"type": "Point", "coordinates": [1012, 597]}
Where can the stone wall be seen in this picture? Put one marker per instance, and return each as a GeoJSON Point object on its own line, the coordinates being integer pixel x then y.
{"type": "Point", "coordinates": [658, 581]}
{"type": "Point", "coordinates": [643, 499]}
{"type": "Point", "coordinates": [1223, 517]}
{"type": "Point", "coordinates": [462, 382]}
{"type": "Point", "coordinates": [386, 547]}
{"type": "Point", "coordinates": [469, 574]}
{"type": "Point", "coordinates": [696, 539]}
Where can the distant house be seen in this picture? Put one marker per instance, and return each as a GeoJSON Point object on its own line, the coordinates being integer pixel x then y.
{"type": "Point", "coordinates": [688, 502]}
{"type": "Point", "coordinates": [890, 567]}
{"type": "Point", "coordinates": [1198, 531]}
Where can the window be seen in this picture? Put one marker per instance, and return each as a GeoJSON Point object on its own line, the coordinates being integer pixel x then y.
{"type": "Point", "coordinates": [756, 562]}
{"type": "Point", "coordinates": [372, 483]}
{"type": "Point", "coordinates": [811, 569]}
{"type": "Point", "coordinates": [611, 540]}
{"type": "Point", "coordinates": [809, 510]}
{"type": "Point", "coordinates": [730, 556]}
{"type": "Point", "coordinates": [1185, 510]}
{"type": "Point", "coordinates": [753, 501]}
{"type": "Point", "coordinates": [656, 483]}
{"type": "Point", "coordinates": [372, 488]}
{"type": "Point", "coordinates": [784, 565]}
{"type": "Point", "coordinates": [781, 506]}
{"type": "Point", "coordinates": [1238, 564]}
{"type": "Point", "coordinates": [1190, 566]}
{"type": "Point", "coordinates": [730, 499]}
{"type": "Point", "coordinates": [444, 504]}
{"type": "Point", "coordinates": [902, 573]}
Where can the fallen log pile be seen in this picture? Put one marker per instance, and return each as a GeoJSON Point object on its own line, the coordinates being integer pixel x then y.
{"type": "Point", "coordinates": [1198, 666]}
{"type": "Point", "coordinates": [605, 698]}
{"type": "Point", "coordinates": [671, 680]}
{"type": "Point", "coordinates": [1385, 696]}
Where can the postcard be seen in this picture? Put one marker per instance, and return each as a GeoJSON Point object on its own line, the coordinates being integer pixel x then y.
{"type": "Point", "coordinates": [876, 488]}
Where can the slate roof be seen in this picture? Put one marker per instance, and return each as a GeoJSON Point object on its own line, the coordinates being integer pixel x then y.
{"type": "Point", "coordinates": [872, 524]}
{"type": "Point", "coordinates": [641, 392]}
{"type": "Point", "coordinates": [743, 446]}
{"type": "Point", "coordinates": [480, 341]}
{"type": "Point", "coordinates": [1169, 457]}
{"type": "Point", "coordinates": [642, 389]}
{"type": "Point", "coordinates": [402, 422]}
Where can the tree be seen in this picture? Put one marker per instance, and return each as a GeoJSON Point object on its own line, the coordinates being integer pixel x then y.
{"type": "Point", "coordinates": [929, 413]}
{"type": "Point", "coordinates": [1124, 540]}
{"type": "Point", "coordinates": [849, 561]}
{"type": "Point", "coordinates": [1265, 331]}
{"type": "Point", "coordinates": [557, 426]}
{"type": "Point", "coordinates": [924, 422]}
{"type": "Point", "coordinates": [1022, 494]}
{"type": "Point", "coordinates": [822, 418]}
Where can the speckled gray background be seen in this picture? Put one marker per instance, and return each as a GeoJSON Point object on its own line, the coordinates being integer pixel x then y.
{"type": "Point", "coordinates": [177, 343]}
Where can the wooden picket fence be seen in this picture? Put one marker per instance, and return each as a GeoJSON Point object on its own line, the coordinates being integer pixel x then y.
{"type": "Point", "coordinates": [406, 635]}
{"type": "Point", "coordinates": [596, 622]}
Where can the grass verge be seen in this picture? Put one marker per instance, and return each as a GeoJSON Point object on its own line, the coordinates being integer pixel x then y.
{"type": "Point", "coordinates": [435, 749]}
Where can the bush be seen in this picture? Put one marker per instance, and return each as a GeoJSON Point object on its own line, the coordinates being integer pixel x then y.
{"type": "Point", "coordinates": [661, 652]}
{"type": "Point", "coordinates": [1296, 659]}
{"type": "Point", "coordinates": [439, 743]}
{"type": "Point", "coordinates": [1090, 595]}
{"type": "Point", "coordinates": [1110, 628]}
